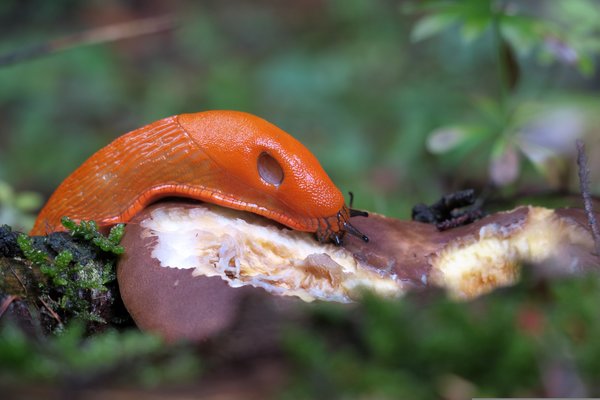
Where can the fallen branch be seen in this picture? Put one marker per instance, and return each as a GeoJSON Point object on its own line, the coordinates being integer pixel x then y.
{"type": "Point", "coordinates": [110, 33]}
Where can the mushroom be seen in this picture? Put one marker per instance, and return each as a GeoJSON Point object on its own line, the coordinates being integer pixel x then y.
{"type": "Point", "coordinates": [189, 267]}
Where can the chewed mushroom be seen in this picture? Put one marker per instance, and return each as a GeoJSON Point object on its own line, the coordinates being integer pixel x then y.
{"type": "Point", "coordinates": [188, 266]}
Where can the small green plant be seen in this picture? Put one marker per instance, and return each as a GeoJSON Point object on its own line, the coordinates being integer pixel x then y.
{"type": "Point", "coordinates": [509, 124]}
{"type": "Point", "coordinates": [514, 342]}
{"type": "Point", "coordinates": [71, 286]}
{"type": "Point", "coordinates": [566, 35]}
{"type": "Point", "coordinates": [36, 256]}
{"type": "Point", "coordinates": [127, 357]}
{"type": "Point", "coordinates": [88, 230]}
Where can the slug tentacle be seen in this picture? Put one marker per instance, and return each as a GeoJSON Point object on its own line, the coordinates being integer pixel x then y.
{"type": "Point", "coordinates": [353, 212]}
{"type": "Point", "coordinates": [333, 229]}
{"type": "Point", "coordinates": [228, 158]}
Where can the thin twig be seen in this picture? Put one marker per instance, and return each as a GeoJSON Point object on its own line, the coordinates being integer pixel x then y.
{"type": "Point", "coordinates": [584, 184]}
{"type": "Point", "coordinates": [105, 34]}
{"type": "Point", "coordinates": [18, 279]}
{"type": "Point", "coordinates": [50, 310]}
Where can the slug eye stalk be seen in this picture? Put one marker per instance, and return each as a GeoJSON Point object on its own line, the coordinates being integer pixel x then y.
{"type": "Point", "coordinates": [355, 232]}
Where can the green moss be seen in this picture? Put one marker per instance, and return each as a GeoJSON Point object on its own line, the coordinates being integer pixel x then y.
{"type": "Point", "coordinates": [69, 285]}
{"type": "Point", "coordinates": [88, 230]}
{"type": "Point", "coordinates": [38, 257]}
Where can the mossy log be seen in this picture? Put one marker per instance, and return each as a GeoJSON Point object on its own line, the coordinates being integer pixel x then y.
{"type": "Point", "coordinates": [46, 280]}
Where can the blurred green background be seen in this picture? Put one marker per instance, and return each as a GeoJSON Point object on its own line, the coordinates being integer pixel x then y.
{"type": "Point", "coordinates": [401, 101]}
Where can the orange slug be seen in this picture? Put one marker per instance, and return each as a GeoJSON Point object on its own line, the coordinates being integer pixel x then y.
{"type": "Point", "coordinates": [229, 158]}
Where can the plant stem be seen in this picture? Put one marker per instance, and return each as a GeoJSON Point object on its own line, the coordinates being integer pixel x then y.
{"type": "Point", "coordinates": [501, 66]}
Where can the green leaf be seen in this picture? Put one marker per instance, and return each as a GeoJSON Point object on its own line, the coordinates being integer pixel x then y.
{"type": "Point", "coordinates": [474, 28]}
{"type": "Point", "coordinates": [586, 66]}
{"type": "Point", "coordinates": [446, 138]}
{"type": "Point", "coordinates": [523, 33]}
{"type": "Point", "coordinates": [490, 111]}
{"type": "Point", "coordinates": [431, 25]}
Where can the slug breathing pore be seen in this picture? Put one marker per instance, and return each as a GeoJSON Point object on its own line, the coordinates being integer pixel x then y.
{"type": "Point", "coordinates": [228, 158]}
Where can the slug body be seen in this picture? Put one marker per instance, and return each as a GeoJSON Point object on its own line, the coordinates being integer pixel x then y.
{"type": "Point", "coordinates": [228, 158]}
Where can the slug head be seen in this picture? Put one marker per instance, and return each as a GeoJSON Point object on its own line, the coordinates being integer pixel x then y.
{"type": "Point", "coordinates": [269, 172]}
